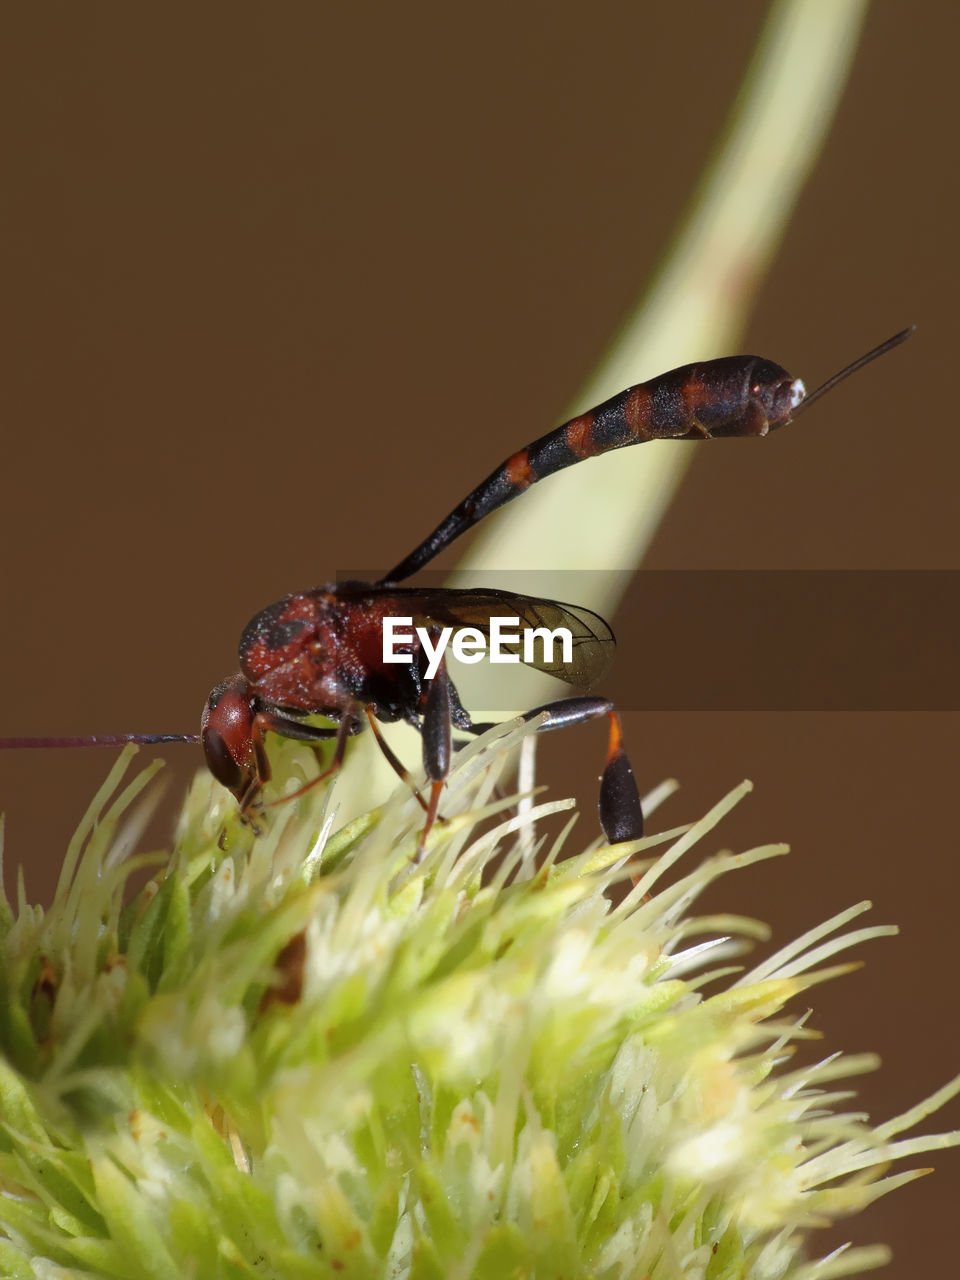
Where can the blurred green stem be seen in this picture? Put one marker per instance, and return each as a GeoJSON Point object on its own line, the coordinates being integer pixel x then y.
{"type": "Point", "coordinates": [695, 308]}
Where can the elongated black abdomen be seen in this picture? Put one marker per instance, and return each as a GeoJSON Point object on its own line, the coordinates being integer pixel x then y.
{"type": "Point", "coordinates": [732, 396]}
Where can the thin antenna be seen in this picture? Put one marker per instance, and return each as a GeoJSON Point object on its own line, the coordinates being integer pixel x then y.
{"type": "Point", "coordinates": [99, 740]}
{"type": "Point", "coordinates": [830, 383]}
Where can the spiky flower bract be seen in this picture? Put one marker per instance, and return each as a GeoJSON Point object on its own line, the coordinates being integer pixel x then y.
{"type": "Point", "coordinates": [303, 1054]}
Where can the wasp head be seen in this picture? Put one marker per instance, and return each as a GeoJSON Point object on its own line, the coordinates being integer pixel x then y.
{"type": "Point", "coordinates": [227, 737]}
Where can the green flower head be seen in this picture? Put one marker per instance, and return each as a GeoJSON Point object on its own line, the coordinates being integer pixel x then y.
{"type": "Point", "coordinates": [309, 1053]}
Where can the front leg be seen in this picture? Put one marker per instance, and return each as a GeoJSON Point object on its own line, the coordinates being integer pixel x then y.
{"type": "Point", "coordinates": [287, 727]}
{"type": "Point", "coordinates": [267, 721]}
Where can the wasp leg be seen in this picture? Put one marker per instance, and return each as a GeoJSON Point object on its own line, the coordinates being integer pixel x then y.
{"type": "Point", "coordinates": [621, 814]}
{"type": "Point", "coordinates": [437, 742]}
{"type": "Point", "coordinates": [270, 721]}
{"type": "Point", "coordinates": [289, 728]}
{"type": "Point", "coordinates": [396, 764]}
{"type": "Point", "coordinates": [559, 714]}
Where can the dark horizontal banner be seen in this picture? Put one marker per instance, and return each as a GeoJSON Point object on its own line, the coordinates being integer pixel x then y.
{"type": "Point", "coordinates": [790, 641]}
{"type": "Point", "coordinates": [756, 640]}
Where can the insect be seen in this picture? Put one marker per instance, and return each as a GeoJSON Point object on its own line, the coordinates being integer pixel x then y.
{"type": "Point", "coordinates": [320, 652]}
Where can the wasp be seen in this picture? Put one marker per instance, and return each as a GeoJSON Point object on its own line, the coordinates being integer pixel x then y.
{"type": "Point", "coordinates": [320, 652]}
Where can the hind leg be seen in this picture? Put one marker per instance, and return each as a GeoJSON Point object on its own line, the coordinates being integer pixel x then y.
{"type": "Point", "coordinates": [621, 814]}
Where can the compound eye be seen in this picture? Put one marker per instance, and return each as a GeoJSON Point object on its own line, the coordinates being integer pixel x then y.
{"type": "Point", "coordinates": [220, 762]}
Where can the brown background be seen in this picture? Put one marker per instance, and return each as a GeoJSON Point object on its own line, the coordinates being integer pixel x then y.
{"type": "Point", "coordinates": [279, 285]}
